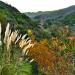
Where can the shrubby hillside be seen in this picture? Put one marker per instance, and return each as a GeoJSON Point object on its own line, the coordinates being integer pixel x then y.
{"type": "Point", "coordinates": [40, 23]}
{"type": "Point", "coordinates": [54, 36]}
{"type": "Point", "coordinates": [48, 20]}
{"type": "Point", "coordinates": [12, 15]}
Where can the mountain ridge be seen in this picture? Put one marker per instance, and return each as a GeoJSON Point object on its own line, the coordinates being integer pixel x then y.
{"type": "Point", "coordinates": [52, 14]}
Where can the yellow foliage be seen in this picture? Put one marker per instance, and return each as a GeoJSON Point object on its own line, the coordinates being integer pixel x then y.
{"type": "Point", "coordinates": [56, 44]}
{"type": "Point", "coordinates": [29, 32]}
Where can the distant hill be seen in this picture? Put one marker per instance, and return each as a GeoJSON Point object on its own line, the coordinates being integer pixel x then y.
{"type": "Point", "coordinates": [57, 14]}
{"type": "Point", "coordinates": [12, 15]}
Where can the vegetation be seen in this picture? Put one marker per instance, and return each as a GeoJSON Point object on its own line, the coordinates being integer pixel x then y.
{"type": "Point", "coordinates": [15, 66]}
{"type": "Point", "coordinates": [52, 20]}
{"type": "Point", "coordinates": [12, 15]}
{"type": "Point", "coordinates": [52, 15]}
{"type": "Point", "coordinates": [54, 49]}
{"type": "Point", "coordinates": [56, 56]}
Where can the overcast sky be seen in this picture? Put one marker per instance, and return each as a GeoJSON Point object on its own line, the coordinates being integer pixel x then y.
{"type": "Point", "coordinates": [39, 5]}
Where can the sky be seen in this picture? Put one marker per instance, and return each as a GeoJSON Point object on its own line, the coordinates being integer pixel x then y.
{"type": "Point", "coordinates": [39, 5]}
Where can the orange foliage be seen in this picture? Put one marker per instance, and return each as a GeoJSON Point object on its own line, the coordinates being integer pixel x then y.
{"type": "Point", "coordinates": [43, 56]}
{"type": "Point", "coordinates": [44, 53]}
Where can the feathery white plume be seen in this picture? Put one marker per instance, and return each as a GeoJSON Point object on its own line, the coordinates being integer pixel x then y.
{"type": "Point", "coordinates": [26, 47]}
{"type": "Point", "coordinates": [24, 36]}
{"type": "Point", "coordinates": [6, 32]}
{"type": "Point", "coordinates": [31, 60]}
{"type": "Point", "coordinates": [27, 52]}
{"type": "Point", "coordinates": [27, 39]}
{"type": "Point", "coordinates": [17, 39]}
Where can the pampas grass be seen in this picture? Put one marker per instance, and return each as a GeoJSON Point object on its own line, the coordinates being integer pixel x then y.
{"type": "Point", "coordinates": [10, 64]}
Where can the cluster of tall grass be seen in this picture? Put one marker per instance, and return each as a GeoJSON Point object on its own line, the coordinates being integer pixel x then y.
{"type": "Point", "coordinates": [11, 62]}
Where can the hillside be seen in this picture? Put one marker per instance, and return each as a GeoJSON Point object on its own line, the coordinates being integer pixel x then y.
{"type": "Point", "coordinates": [53, 36]}
{"type": "Point", "coordinates": [39, 28]}
{"type": "Point", "coordinates": [48, 20]}
{"type": "Point", "coordinates": [57, 14]}
{"type": "Point", "coordinates": [12, 15]}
